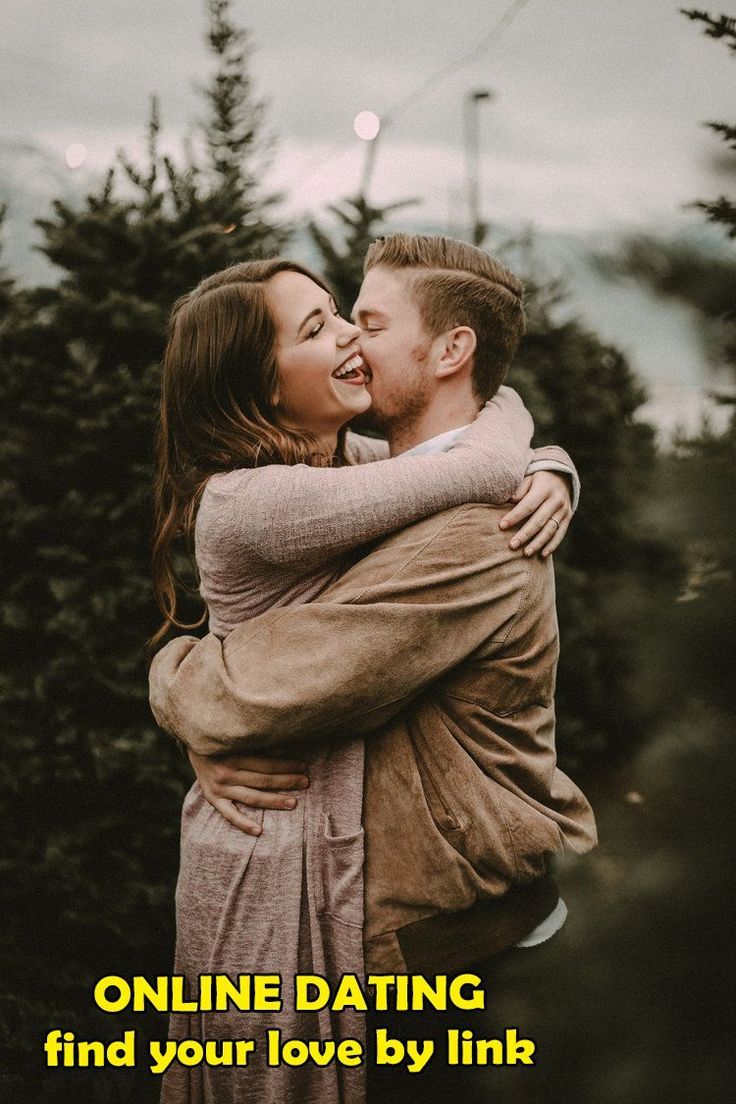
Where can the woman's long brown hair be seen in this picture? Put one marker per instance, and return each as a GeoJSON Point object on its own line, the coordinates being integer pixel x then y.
{"type": "Point", "coordinates": [217, 408]}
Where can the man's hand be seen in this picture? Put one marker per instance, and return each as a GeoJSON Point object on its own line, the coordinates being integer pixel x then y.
{"type": "Point", "coordinates": [250, 780]}
{"type": "Point", "coordinates": [544, 500]}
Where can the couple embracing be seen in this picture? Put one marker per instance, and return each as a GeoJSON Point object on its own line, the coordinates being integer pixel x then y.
{"type": "Point", "coordinates": [371, 716]}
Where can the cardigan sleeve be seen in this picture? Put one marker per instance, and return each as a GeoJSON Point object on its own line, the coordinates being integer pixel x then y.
{"type": "Point", "coordinates": [305, 515]}
{"type": "Point", "coordinates": [364, 450]}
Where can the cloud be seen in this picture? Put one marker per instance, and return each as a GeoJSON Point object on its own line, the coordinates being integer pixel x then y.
{"type": "Point", "coordinates": [597, 109]}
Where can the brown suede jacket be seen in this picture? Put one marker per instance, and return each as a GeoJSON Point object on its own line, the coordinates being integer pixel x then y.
{"type": "Point", "coordinates": [442, 644]}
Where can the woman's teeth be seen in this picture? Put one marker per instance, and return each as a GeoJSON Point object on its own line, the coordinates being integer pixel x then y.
{"type": "Point", "coordinates": [349, 368]}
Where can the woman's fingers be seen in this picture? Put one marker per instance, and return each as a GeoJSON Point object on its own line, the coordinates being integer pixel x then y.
{"type": "Point", "coordinates": [233, 816]}
{"type": "Point", "coordinates": [526, 501]}
{"type": "Point", "coordinates": [556, 540]}
{"type": "Point", "coordinates": [549, 537]}
{"type": "Point", "coordinates": [522, 489]}
{"type": "Point", "coordinates": [535, 524]}
{"type": "Point", "coordinates": [545, 510]}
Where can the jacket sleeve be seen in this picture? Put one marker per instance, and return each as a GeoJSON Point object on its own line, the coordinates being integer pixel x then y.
{"type": "Point", "coordinates": [349, 661]}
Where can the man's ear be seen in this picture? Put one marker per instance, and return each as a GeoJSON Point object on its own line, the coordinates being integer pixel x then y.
{"type": "Point", "coordinates": [455, 351]}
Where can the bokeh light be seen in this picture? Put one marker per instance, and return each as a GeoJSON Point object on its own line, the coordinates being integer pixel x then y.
{"type": "Point", "coordinates": [366, 125]}
{"type": "Point", "coordinates": [75, 155]}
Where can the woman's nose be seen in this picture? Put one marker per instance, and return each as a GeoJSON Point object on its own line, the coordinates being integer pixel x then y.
{"type": "Point", "coordinates": [348, 332]}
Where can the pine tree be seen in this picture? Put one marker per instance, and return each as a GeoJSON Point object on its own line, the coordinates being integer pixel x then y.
{"type": "Point", "coordinates": [91, 791]}
{"type": "Point", "coordinates": [359, 223]}
{"type": "Point", "coordinates": [236, 144]}
{"type": "Point", "coordinates": [697, 276]}
{"type": "Point", "coordinates": [696, 508]}
{"type": "Point", "coordinates": [611, 575]}
{"type": "Point", "coordinates": [699, 476]}
{"type": "Point", "coordinates": [721, 210]}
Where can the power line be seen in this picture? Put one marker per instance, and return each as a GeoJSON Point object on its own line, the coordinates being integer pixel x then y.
{"type": "Point", "coordinates": [428, 85]}
{"type": "Point", "coordinates": [452, 67]}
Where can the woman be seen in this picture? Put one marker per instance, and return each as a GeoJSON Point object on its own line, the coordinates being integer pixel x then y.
{"type": "Point", "coordinates": [261, 375]}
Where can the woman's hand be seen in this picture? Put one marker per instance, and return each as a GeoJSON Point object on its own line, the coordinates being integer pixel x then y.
{"type": "Point", "coordinates": [544, 503]}
{"type": "Point", "coordinates": [250, 780]}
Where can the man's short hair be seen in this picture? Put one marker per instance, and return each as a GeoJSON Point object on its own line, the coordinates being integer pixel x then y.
{"type": "Point", "coordinates": [462, 286]}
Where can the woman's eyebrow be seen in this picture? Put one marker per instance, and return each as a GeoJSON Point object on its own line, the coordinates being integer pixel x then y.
{"type": "Point", "coordinates": [312, 314]}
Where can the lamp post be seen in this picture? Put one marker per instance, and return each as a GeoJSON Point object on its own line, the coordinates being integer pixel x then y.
{"type": "Point", "coordinates": [472, 161]}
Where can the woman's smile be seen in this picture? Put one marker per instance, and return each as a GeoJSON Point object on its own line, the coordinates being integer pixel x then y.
{"type": "Point", "coordinates": [351, 370]}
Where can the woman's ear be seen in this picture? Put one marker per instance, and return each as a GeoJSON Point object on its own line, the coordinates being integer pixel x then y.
{"type": "Point", "coordinates": [456, 351]}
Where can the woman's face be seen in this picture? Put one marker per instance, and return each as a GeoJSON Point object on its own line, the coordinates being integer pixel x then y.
{"type": "Point", "coordinates": [321, 382]}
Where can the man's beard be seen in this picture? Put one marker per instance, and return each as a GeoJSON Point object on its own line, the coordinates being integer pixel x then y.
{"type": "Point", "coordinates": [399, 409]}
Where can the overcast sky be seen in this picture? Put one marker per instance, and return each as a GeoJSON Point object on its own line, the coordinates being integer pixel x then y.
{"type": "Point", "coordinates": [595, 121]}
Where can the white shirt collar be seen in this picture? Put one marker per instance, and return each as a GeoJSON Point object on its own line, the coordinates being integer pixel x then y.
{"type": "Point", "coordinates": [441, 443]}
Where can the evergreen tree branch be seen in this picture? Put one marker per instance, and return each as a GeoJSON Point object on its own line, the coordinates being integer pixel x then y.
{"type": "Point", "coordinates": [722, 26]}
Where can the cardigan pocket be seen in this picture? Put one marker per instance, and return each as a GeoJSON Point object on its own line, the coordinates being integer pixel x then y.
{"type": "Point", "coordinates": [341, 875]}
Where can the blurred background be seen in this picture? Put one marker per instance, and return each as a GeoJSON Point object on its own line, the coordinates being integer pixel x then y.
{"type": "Point", "coordinates": [591, 145]}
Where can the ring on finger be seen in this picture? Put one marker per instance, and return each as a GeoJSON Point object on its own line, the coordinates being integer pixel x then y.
{"type": "Point", "coordinates": [555, 522]}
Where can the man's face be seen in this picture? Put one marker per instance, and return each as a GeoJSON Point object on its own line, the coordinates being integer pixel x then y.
{"type": "Point", "coordinates": [395, 348]}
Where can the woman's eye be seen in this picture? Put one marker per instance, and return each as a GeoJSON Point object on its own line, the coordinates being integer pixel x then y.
{"type": "Point", "coordinates": [316, 330]}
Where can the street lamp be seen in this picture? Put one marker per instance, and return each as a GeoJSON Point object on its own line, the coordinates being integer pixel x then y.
{"type": "Point", "coordinates": [472, 161]}
{"type": "Point", "coordinates": [367, 125]}
{"type": "Point", "coordinates": [75, 155]}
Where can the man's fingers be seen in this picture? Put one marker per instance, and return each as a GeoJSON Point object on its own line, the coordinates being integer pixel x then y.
{"type": "Point", "coordinates": [260, 764]}
{"type": "Point", "coordinates": [273, 781]}
{"type": "Point", "coordinates": [260, 799]}
{"type": "Point", "coordinates": [233, 816]}
{"type": "Point", "coordinates": [223, 774]}
{"type": "Point", "coordinates": [263, 765]}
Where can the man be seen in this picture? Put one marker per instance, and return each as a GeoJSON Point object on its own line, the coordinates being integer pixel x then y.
{"type": "Point", "coordinates": [441, 643]}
